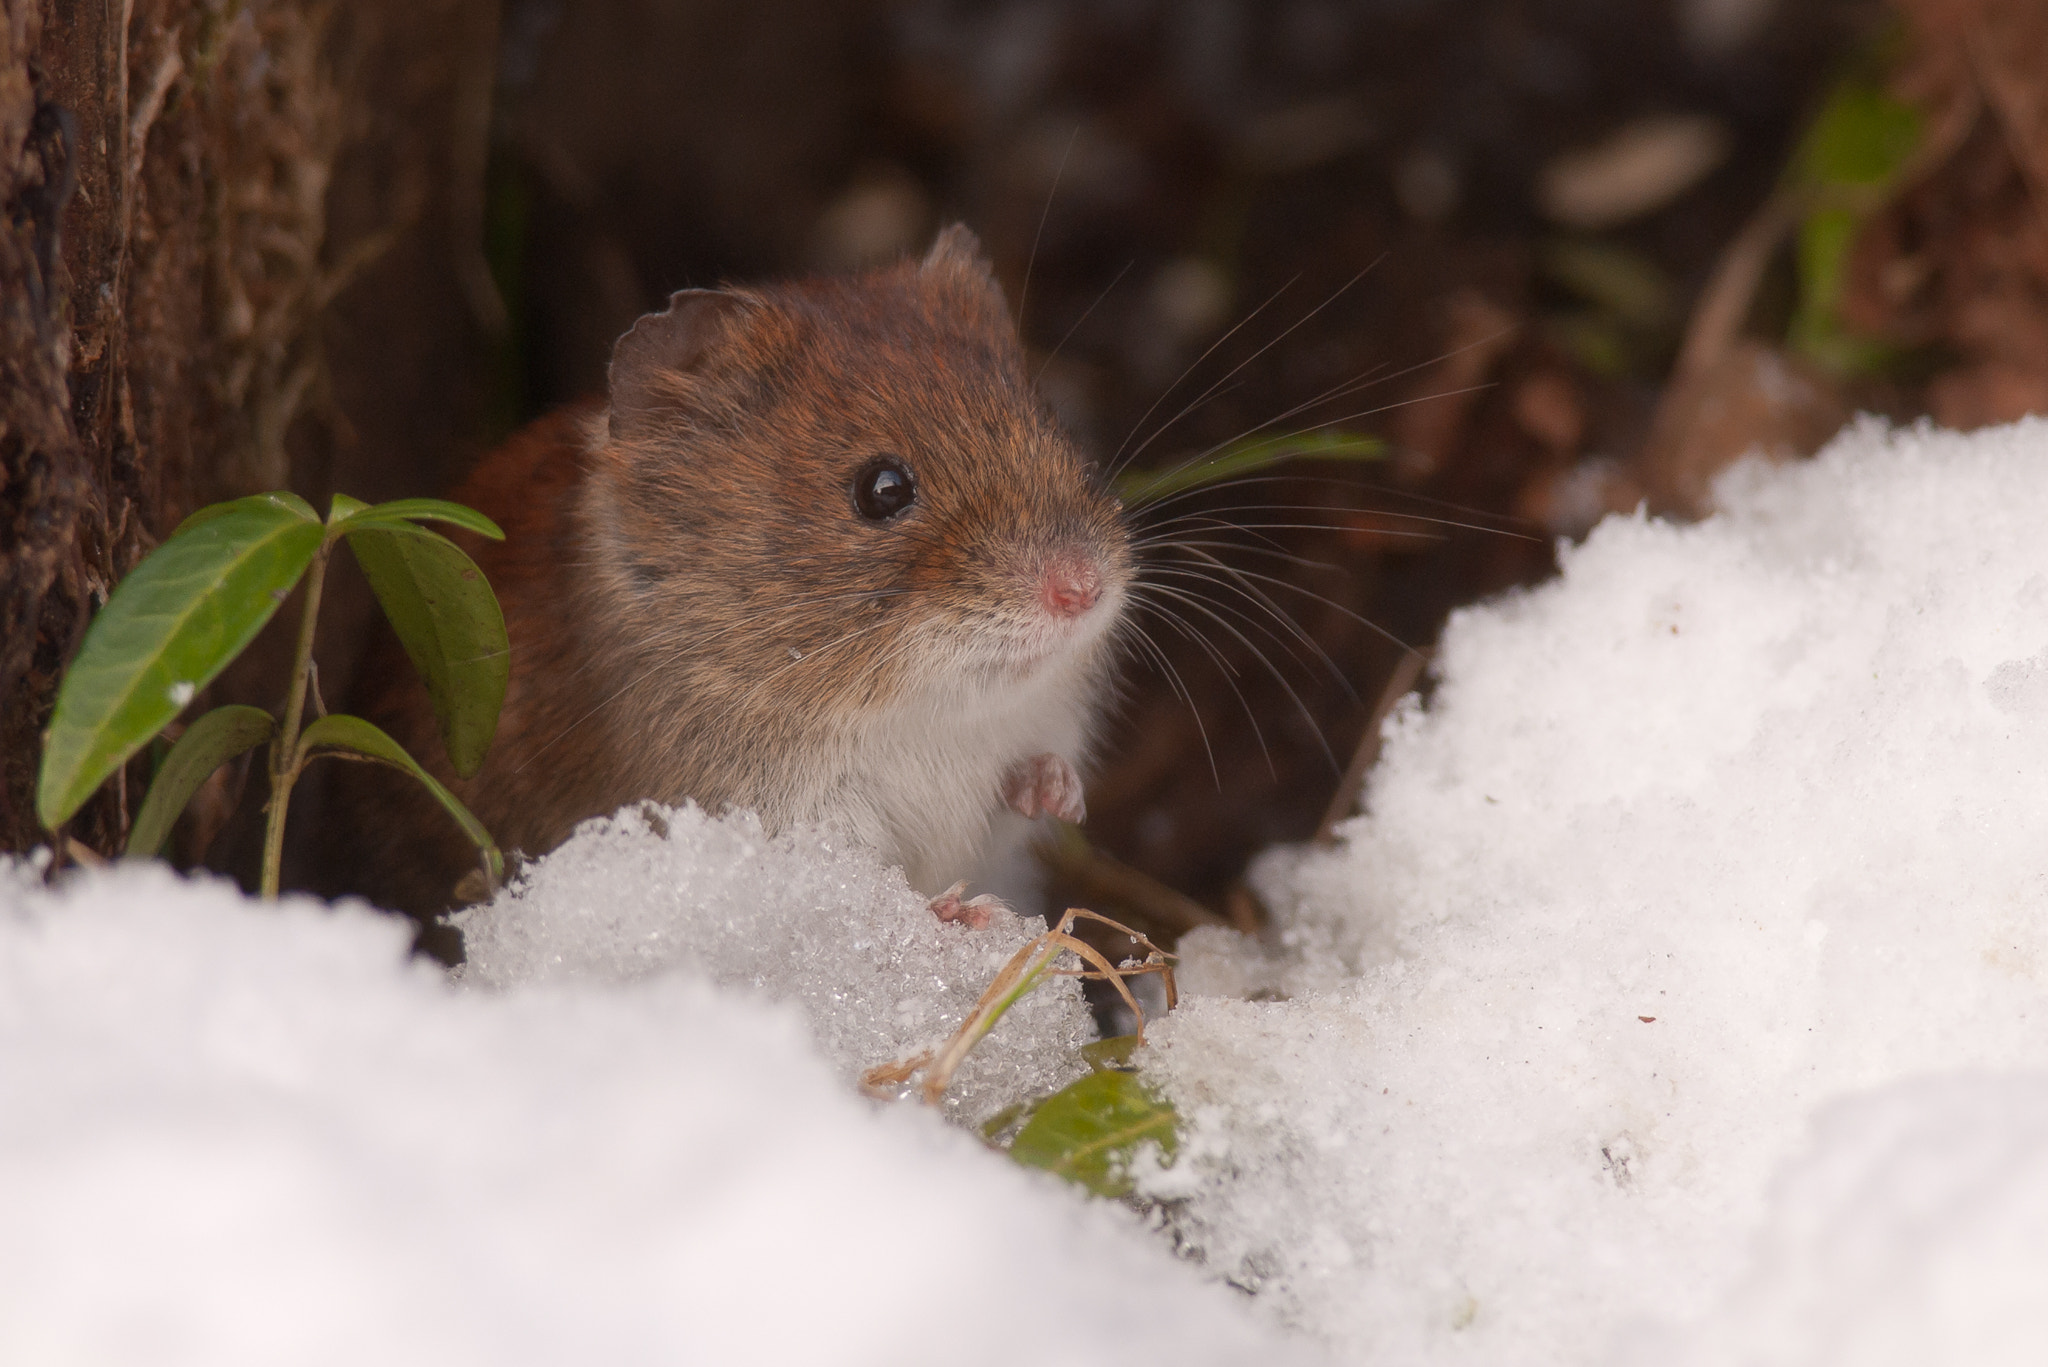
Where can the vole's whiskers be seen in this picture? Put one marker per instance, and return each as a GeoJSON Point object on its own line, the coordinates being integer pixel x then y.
{"type": "Point", "coordinates": [1371, 378]}
{"type": "Point", "coordinates": [602, 703]}
{"type": "Point", "coordinates": [1243, 582]}
{"type": "Point", "coordinates": [1216, 516]}
{"type": "Point", "coordinates": [1239, 573]}
{"type": "Point", "coordinates": [1257, 531]}
{"type": "Point", "coordinates": [806, 657]}
{"type": "Point", "coordinates": [1206, 394]}
{"type": "Point", "coordinates": [1068, 336]}
{"type": "Point", "coordinates": [875, 666]}
{"type": "Point", "coordinates": [1143, 638]}
{"type": "Point", "coordinates": [1117, 460]}
{"type": "Point", "coordinates": [671, 633]}
{"type": "Point", "coordinates": [1216, 449]}
{"type": "Point", "coordinates": [1151, 597]}
{"type": "Point", "coordinates": [1189, 544]}
{"type": "Point", "coordinates": [1279, 676]}
{"type": "Point", "coordinates": [1024, 290]}
{"type": "Point", "coordinates": [1299, 646]}
{"type": "Point", "coordinates": [664, 644]}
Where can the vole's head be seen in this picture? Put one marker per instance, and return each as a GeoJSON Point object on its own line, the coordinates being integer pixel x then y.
{"type": "Point", "coordinates": [839, 494]}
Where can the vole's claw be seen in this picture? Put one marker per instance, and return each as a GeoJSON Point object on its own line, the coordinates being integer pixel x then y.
{"type": "Point", "coordinates": [1044, 783]}
{"type": "Point", "coordinates": [973, 913]}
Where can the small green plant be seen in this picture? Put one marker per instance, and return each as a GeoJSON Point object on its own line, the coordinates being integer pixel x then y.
{"type": "Point", "coordinates": [198, 600]}
{"type": "Point", "coordinates": [1851, 160]}
{"type": "Point", "coordinates": [1250, 456]}
{"type": "Point", "coordinates": [1092, 1129]}
{"type": "Point", "coordinates": [1089, 1131]}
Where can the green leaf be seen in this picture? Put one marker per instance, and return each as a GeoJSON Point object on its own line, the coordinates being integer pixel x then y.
{"type": "Point", "coordinates": [1861, 140]}
{"type": "Point", "coordinates": [169, 628]}
{"type": "Point", "coordinates": [1114, 1052]}
{"type": "Point", "coordinates": [1008, 1118]}
{"type": "Point", "coordinates": [208, 743]}
{"type": "Point", "coordinates": [1817, 332]}
{"type": "Point", "coordinates": [281, 499]}
{"type": "Point", "coordinates": [1088, 1131]}
{"type": "Point", "coordinates": [341, 508]}
{"type": "Point", "coordinates": [353, 735]}
{"type": "Point", "coordinates": [449, 622]}
{"type": "Point", "coordinates": [430, 510]}
{"type": "Point", "coordinates": [1825, 241]}
{"type": "Point", "coordinates": [1136, 487]}
{"type": "Point", "coordinates": [1850, 160]}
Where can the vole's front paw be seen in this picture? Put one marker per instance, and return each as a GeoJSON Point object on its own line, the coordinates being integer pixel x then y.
{"type": "Point", "coordinates": [1044, 783]}
{"type": "Point", "coordinates": [973, 913]}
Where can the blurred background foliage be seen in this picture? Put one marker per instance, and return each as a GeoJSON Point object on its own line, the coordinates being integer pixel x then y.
{"type": "Point", "coordinates": [1541, 260]}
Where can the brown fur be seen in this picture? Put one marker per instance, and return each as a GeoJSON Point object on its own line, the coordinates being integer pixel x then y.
{"type": "Point", "coordinates": [696, 610]}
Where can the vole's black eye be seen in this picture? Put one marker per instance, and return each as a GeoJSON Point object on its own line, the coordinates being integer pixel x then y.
{"type": "Point", "coordinates": [884, 489]}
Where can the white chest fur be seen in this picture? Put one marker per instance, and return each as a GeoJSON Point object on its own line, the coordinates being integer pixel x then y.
{"type": "Point", "coordinates": [922, 782]}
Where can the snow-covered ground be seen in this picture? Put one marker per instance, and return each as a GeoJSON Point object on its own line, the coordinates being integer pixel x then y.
{"type": "Point", "coordinates": [239, 1135]}
{"type": "Point", "coordinates": [1682, 998]}
{"type": "Point", "coordinates": [1727, 823]}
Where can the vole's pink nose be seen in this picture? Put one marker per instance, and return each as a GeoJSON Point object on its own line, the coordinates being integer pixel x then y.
{"type": "Point", "coordinates": [1070, 586]}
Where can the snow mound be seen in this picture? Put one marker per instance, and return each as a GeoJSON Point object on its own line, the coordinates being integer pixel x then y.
{"type": "Point", "coordinates": [1915, 1231]}
{"type": "Point", "coordinates": [1728, 821]}
{"type": "Point", "coordinates": [802, 917]}
{"type": "Point", "coordinates": [232, 1134]}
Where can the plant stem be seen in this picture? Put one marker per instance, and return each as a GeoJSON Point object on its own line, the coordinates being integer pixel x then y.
{"type": "Point", "coordinates": [285, 760]}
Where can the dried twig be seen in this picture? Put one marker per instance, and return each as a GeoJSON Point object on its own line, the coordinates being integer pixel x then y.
{"type": "Point", "coordinates": [1097, 877]}
{"type": "Point", "coordinates": [2008, 101]}
{"type": "Point", "coordinates": [1724, 304]}
{"type": "Point", "coordinates": [1345, 800]}
{"type": "Point", "coordinates": [1017, 978]}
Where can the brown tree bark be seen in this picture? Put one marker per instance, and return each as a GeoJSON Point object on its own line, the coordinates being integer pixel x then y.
{"type": "Point", "coordinates": [239, 252]}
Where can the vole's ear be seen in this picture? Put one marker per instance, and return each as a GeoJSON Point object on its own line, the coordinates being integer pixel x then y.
{"type": "Point", "coordinates": [958, 263]}
{"type": "Point", "coordinates": [656, 366]}
{"type": "Point", "coordinates": [956, 248]}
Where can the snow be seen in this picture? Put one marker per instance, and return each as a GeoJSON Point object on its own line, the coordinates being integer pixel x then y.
{"type": "Point", "coordinates": [802, 915]}
{"type": "Point", "coordinates": [232, 1134]}
{"type": "Point", "coordinates": [1913, 1231]}
{"type": "Point", "coordinates": [1678, 999]}
{"type": "Point", "coordinates": [1729, 821]}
